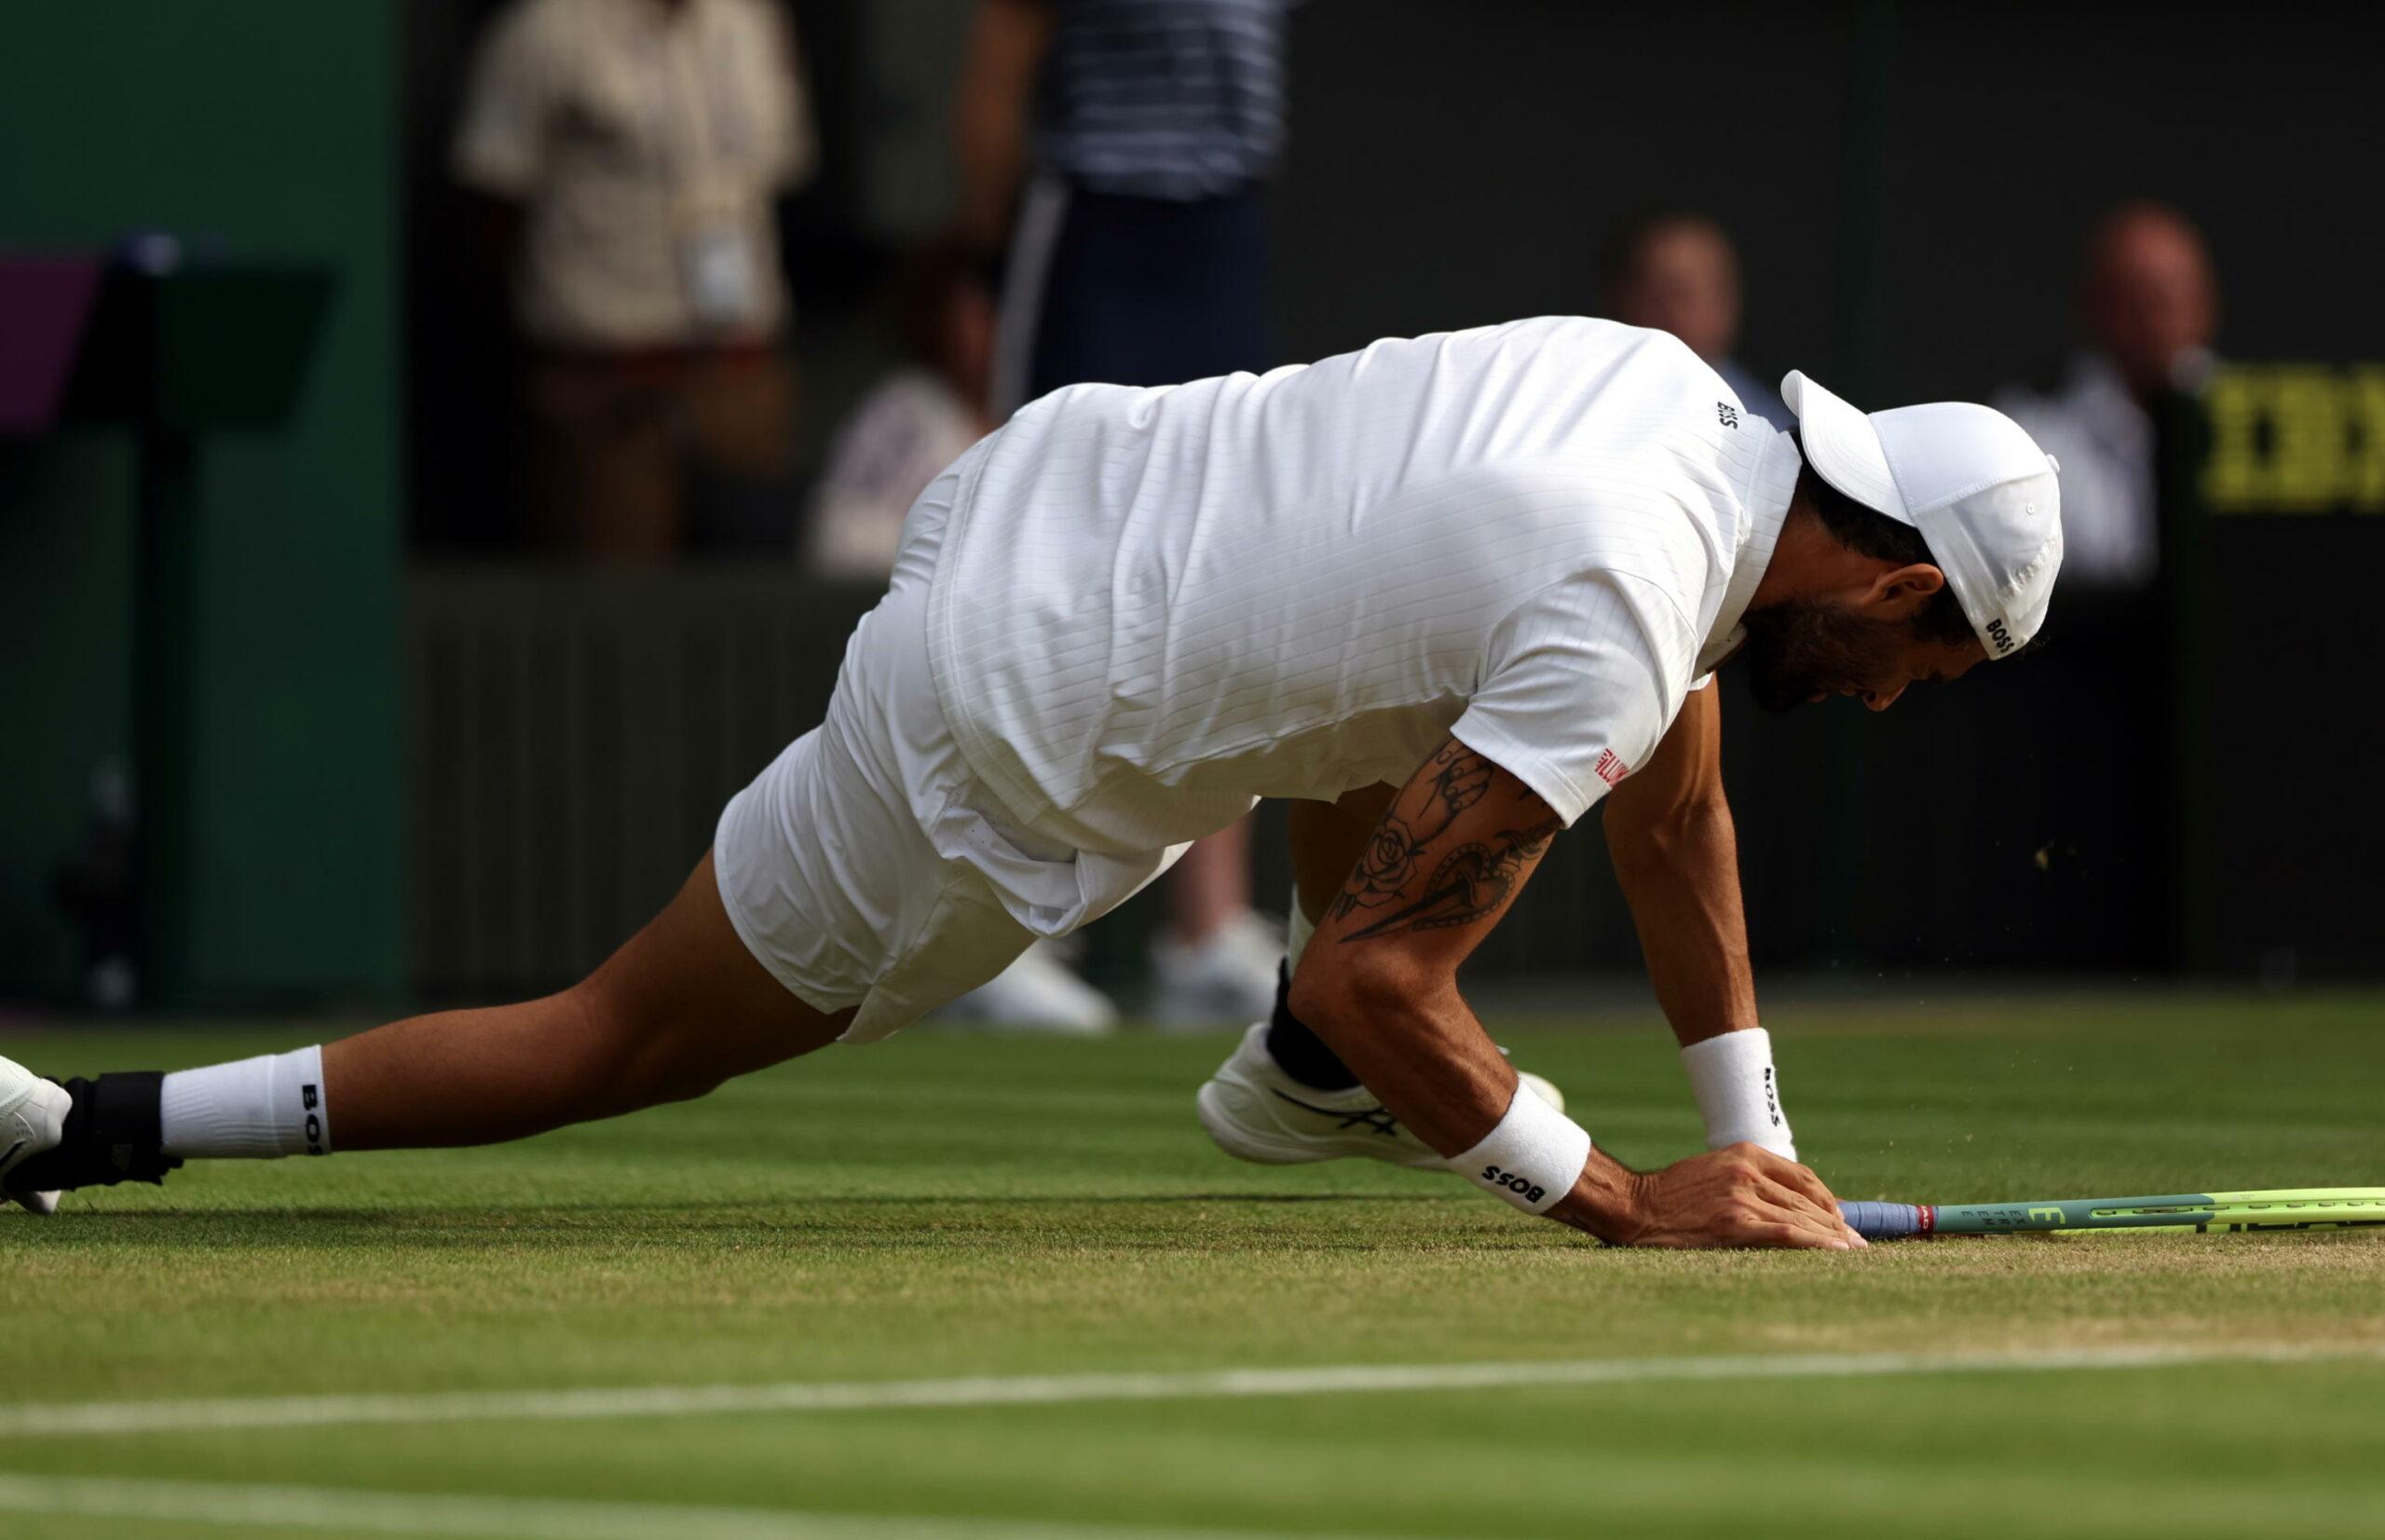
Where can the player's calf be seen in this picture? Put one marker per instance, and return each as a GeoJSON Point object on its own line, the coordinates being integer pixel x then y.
{"type": "Point", "coordinates": [681, 1007]}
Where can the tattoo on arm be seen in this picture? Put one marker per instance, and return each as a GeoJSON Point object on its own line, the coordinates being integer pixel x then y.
{"type": "Point", "coordinates": [1465, 883]}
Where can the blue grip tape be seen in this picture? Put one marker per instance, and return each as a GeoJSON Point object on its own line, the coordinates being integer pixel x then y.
{"type": "Point", "coordinates": [1882, 1221]}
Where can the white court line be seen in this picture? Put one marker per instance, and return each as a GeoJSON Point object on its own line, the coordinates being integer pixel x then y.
{"type": "Point", "coordinates": [101, 1419]}
{"type": "Point", "coordinates": [358, 1512]}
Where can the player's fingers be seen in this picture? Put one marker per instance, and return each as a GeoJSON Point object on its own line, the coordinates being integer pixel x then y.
{"type": "Point", "coordinates": [1797, 1237]}
{"type": "Point", "coordinates": [1795, 1207]}
{"type": "Point", "coordinates": [1784, 1207]}
{"type": "Point", "coordinates": [1791, 1174]}
{"type": "Point", "coordinates": [1796, 1197]}
{"type": "Point", "coordinates": [1787, 1176]}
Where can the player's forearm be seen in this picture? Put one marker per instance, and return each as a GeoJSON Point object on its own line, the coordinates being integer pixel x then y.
{"type": "Point", "coordinates": [1681, 877]}
{"type": "Point", "coordinates": [1424, 1054]}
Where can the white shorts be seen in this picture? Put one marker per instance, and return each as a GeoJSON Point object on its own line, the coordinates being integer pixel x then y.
{"type": "Point", "coordinates": [867, 866]}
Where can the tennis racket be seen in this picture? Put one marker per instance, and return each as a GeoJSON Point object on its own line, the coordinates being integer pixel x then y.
{"type": "Point", "coordinates": [2185, 1213]}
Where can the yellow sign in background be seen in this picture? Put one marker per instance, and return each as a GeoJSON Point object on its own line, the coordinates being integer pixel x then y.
{"type": "Point", "coordinates": [2296, 438]}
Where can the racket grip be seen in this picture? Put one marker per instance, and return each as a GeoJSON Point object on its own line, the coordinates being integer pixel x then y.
{"type": "Point", "coordinates": [1882, 1221]}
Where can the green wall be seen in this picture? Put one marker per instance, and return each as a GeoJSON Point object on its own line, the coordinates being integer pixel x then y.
{"type": "Point", "coordinates": [272, 125]}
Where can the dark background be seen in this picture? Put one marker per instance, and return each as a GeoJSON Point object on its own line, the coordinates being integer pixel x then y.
{"type": "Point", "coordinates": [391, 705]}
{"type": "Point", "coordinates": [1910, 186]}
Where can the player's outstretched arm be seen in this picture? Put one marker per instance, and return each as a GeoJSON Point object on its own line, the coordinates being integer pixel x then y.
{"type": "Point", "coordinates": [1669, 832]}
{"type": "Point", "coordinates": [1378, 983]}
{"type": "Point", "coordinates": [1676, 856]}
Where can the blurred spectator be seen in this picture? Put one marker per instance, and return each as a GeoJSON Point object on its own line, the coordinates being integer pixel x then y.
{"type": "Point", "coordinates": [1115, 150]}
{"type": "Point", "coordinates": [2149, 304]}
{"type": "Point", "coordinates": [631, 151]}
{"type": "Point", "coordinates": [1121, 145]}
{"type": "Point", "coordinates": [1678, 272]}
{"type": "Point", "coordinates": [914, 424]}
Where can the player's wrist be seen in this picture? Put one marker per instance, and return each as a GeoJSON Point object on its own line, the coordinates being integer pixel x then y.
{"type": "Point", "coordinates": [1533, 1157]}
{"type": "Point", "coordinates": [1739, 1090]}
{"type": "Point", "coordinates": [1609, 1199]}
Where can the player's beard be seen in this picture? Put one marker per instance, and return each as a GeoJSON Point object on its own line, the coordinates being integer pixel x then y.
{"type": "Point", "coordinates": [1801, 648]}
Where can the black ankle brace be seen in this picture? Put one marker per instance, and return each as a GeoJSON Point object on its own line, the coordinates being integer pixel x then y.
{"type": "Point", "coordinates": [1298, 1052]}
{"type": "Point", "coordinates": [112, 1134]}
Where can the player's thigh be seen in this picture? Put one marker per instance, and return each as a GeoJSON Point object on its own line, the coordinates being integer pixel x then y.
{"type": "Point", "coordinates": [853, 867]}
{"type": "Point", "coordinates": [828, 876]}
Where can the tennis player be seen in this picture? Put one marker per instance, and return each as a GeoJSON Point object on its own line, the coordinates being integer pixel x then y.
{"type": "Point", "coordinates": [1445, 594]}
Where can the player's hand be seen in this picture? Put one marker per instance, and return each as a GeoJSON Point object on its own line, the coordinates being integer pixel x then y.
{"type": "Point", "coordinates": [1745, 1195]}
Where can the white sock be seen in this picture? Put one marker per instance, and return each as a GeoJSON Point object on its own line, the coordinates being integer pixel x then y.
{"type": "Point", "coordinates": [256, 1109]}
{"type": "Point", "coordinates": [1739, 1092]}
{"type": "Point", "coordinates": [1296, 931]}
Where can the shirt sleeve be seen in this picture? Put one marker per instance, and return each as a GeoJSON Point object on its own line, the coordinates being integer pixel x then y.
{"type": "Point", "coordinates": [1578, 685]}
{"type": "Point", "coordinates": [501, 142]}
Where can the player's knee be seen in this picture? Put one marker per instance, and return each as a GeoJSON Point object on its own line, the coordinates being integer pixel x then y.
{"type": "Point", "coordinates": [635, 1052]}
{"type": "Point", "coordinates": [677, 1071]}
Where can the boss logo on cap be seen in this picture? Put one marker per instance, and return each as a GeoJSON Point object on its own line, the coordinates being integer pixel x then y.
{"type": "Point", "coordinates": [2003, 637]}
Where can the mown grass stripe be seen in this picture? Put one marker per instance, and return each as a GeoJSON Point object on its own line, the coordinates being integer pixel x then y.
{"type": "Point", "coordinates": [359, 1512]}
{"type": "Point", "coordinates": [105, 1419]}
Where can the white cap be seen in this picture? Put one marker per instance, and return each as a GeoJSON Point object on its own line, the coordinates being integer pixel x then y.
{"type": "Point", "coordinates": [1970, 479]}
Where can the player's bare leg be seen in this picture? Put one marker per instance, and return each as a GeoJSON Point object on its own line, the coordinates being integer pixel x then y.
{"type": "Point", "coordinates": [681, 1007]}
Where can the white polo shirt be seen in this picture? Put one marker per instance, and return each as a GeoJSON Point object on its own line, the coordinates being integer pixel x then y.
{"type": "Point", "coordinates": [1154, 607]}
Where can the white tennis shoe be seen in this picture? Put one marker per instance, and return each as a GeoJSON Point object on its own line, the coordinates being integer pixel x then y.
{"type": "Point", "coordinates": [32, 1118]}
{"type": "Point", "coordinates": [1254, 1111]}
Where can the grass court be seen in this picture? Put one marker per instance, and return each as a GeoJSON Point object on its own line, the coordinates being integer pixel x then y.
{"type": "Point", "coordinates": [951, 1233]}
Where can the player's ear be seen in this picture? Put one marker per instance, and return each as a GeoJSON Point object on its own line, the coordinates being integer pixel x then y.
{"type": "Point", "coordinates": [1900, 593]}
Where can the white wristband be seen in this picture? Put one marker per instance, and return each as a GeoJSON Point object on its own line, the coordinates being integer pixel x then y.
{"type": "Point", "coordinates": [1739, 1092]}
{"type": "Point", "coordinates": [1531, 1159]}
